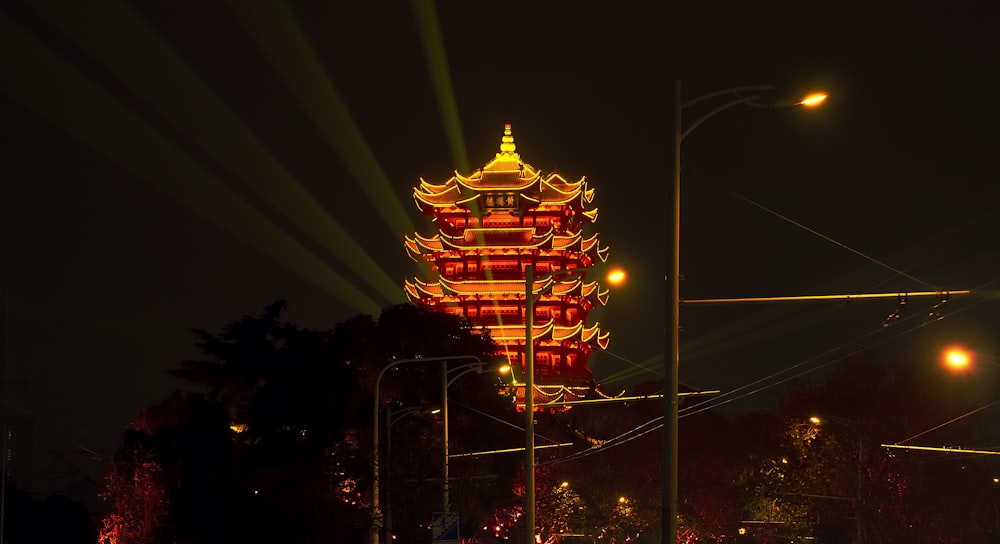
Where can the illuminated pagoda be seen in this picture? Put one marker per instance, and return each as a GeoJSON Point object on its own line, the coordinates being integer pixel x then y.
{"type": "Point", "coordinates": [491, 225]}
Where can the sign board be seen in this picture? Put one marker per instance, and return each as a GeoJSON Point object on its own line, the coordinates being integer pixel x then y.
{"type": "Point", "coordinates": [444, 528]}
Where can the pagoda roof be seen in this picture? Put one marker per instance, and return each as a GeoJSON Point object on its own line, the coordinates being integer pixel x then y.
{"type": "Point", "coordinates": [506, 173]}
{"type": "Point", "coordinates": [420, 290]}
{"type": "Point", "coordinates": [588, 335]}
{"type": "Point", "coordinates": [505, 238]}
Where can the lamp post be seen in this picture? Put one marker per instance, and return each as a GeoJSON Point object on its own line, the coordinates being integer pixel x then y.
{"type": "Point", "coordinates": [860, 485]}
{"type": "Point", "coordinates": [529, 380]}
{"type": "Point", "coordinates": [671, 349]}
{"type": "Point", "coordinates": [445, 383]}
{"type": "Point", "coordinates": [391, 418]}
{"type": "Point", "coordinates": [376, 510]}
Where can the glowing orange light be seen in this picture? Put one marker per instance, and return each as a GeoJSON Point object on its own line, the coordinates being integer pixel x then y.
{"type": "Point", "coordinates": [505, 369]}
{"type": "Point", "coordinates": [815, 420]}
{"type": "Point", "coordinates": [814, 99]}
{"type": "Point", "coordinates": [616, 277]}
{"type": "Point", "coordinates": [957, 359]}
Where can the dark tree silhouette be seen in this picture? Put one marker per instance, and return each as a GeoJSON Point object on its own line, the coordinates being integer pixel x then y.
{"type": "Point", "coordinates": [278, 447]}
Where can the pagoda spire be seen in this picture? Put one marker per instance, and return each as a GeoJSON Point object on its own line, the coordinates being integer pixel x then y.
{"type": "Point", "coordinates": [507, 146]}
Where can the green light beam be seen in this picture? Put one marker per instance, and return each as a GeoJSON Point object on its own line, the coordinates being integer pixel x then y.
{"type": "Point", "coordinates": [141, 61]}
{"type": "Point", "coordinates": [42, 81]}
{"type": "Point", "coordinates": [279, 36]}
{"type": "Point", "coordinates": [437, 63]}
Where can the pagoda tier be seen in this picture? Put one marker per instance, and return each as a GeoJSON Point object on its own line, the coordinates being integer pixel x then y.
{"type": "Point", "coordinates": [494, 223]}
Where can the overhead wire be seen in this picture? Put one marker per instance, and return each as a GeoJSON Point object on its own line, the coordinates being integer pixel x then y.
{"type": "Point", "coordinates": [629, 435]}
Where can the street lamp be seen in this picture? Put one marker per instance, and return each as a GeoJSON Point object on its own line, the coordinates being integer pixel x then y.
{"type": "Point", "coordinates": [747, 95]}
{"type": "Point", "coordinates": [860, 486]}
{"type": "Point", "coordinates": [959, 359]}
{"type": "Point", "coordinates": [457, 372]}
{"type": "Point", "coordinates": [376, 511]}
{"type": "Point", "coordinates": [391, 418]}
{"type": "Point", "coordinates": [615, 277]}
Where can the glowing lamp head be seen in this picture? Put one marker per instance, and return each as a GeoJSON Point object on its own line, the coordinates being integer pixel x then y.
{"type": "Point", "coordinates": [814, 100]}
{"type": "Point", "coordinates": [616, 277]}
{"type": "Point", "coordinates": [504, 369]}
{"type": "Point", "coordinates": [957, 359]}
{"type": "Point", "coordinates": [815, 420]}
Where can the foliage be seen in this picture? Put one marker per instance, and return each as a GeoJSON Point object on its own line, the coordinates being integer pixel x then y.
{"type": "Point", "coordinates": [278, 447]}
{"type": "Point", "coordinates": [53, 519]}
{"type": "Point", "coordinates": [301, 469]}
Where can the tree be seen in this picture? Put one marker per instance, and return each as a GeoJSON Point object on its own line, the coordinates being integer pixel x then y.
{"type": "Point", "coordinates": [278, 447]}
{"type": "Point", "coordinates": [52, 519]}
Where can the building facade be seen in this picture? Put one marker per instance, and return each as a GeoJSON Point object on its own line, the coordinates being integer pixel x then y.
{"type": "Point", "coordinates": [491, 225]}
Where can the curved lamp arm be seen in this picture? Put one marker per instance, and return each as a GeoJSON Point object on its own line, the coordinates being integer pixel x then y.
{"type": "Point", "coordinates": [376, 510]}
{"type": "Point", "coordinates": [749, 100]}
{"type": "Point", "coordinates": [734, 90]}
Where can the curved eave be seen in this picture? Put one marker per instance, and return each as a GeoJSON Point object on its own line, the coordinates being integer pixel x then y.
{"type": "Point", "coordinates": [461, 243]}
{"type": "Point", "coordinates": [509, 333]}
{"type": "Point", "coordinates": [603, 340]}
{"type": "Point", "coordinates": [447, 195]}
{"type": "Point", "coordinates": [603, 295]}
{"type": "Point", "coordinates": [602, 254]}
{"type": "Point", "coordinates": [504, 165]}
{"type": "Point", "coordinates": [589, 334]}
{"type": "Point", "coordinates": [555, 197]}
{"type": "Point", "coordinates": [421, 245]}
{"type": "Point", "coordinates": [412, 249]}
{"type": "Point", "coordinates": [590, 214]}
{"type": "Point", "coordinates": [561, 333]}
{"type": "Point", "coordinates": [466, 202]}
{"type": "Point", "coordinates": [426, 186]}
{"type": "Point", "coordinates": [561, 185]}
{"type": "Point", "coordinates": [495, 287]}
{"type": "Point", "coordinates": [566, 241]}
{"type": "Point", "coordinates": [565, 288]}
{"type": "Point", "coordinates": [411, 292]}
{"type": "Point", "coordinates": [424, 290]}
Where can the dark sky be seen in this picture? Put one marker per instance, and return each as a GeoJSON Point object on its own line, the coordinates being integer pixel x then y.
{"type": "Point", "coordinates": [115, 245]}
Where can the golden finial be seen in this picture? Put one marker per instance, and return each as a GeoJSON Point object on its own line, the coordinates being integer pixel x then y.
{"type": "Point", "coordinates": [507, 143]}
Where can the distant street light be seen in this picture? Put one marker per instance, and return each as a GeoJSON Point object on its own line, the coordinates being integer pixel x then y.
{"type": "Point", "coordinates": [616, 277]}
{"type": "Point", "coordinates": [748, 95]}
{"type": "Point", "coordinates": [376, 527]}
{"type": "Point", "coordinates": [860, 485]}
{"type": "Point", "coordinates": [959, 359]}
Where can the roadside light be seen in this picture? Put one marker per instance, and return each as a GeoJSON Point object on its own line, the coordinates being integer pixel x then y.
{"type": "Point", "coordinates": [616, 276]}
{"type": "Point", "coordinates": [814, 100]}
{"type": "Point", "coordinates": [504, 369]}
{"type": "Point", "coordinates": [815, 420]}
{"type": "Point", "coordinates": [957, 359]}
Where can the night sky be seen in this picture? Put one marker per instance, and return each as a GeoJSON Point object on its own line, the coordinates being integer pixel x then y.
{"type": "Point", "coordinates": [133, 136]}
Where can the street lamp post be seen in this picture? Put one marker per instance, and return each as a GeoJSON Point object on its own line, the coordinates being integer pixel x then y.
{"type": "Point", "coordinates": [391, 418]}
{"type": "Point", "coordinates": [376, 510]}
{"type": "Point", "coordinates": [859, 488]}
{"type": "Point", "coordinates": [529, 380]}
{"type": "Point", "coordinates": [445, 383]}
{"type": "Point", "coordinates": [671, 349]}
